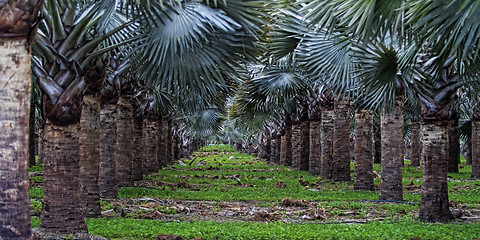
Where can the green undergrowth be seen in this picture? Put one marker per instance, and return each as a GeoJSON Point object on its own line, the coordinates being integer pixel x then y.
{"type": "Point", "coordinates": [118, 228]}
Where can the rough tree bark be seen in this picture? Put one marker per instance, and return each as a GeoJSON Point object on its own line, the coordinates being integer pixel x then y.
{"type": "Point", "coordinates": [138, 149]}
{"type": "Point", "coordinates": [275, 149]}
{"type": "Point", "coordinates": [476, 149]}
{"type": "Point", "coordinates": [468, 152]}
{"type": "Point", "coordinates": [124, 149]}
{"type": "Point", "coordinates": [31, 133]}
{"type": "Point", "coordinates": [107, 180]}
{"type": "Point", "coordinates": [392, 151]}
{"type": "Point", "coordinates": [363, 150]}
{"type": "Point", "coordinates": [453, 146]}
{"type": "Point", "coordinates": [62, 214]}
{"type": "Point", "coordinates": [17, 28]}
{"type": "Point", "coordinates": [341, 142]}
{"type": "Point", "coordinates": [475, 141]}
{"type": "Point", "coordinates": [149, 138]}
{"type": "Point", "coordinates": [164, 134]}
{"type": "Point", "coordinates": [286, 146]}
{"type": "Point", "coordinates": [377, 140]}
{"type": "Point", "coordinates": [296, 144]}
{"type": "Point", "coordinates": [416, 144]}
{"type": "Point", "coordinates": [89, 147]}
{"type": "Point", "coordinates": [315, 156]}
{"type": "Point", "coordinates": [327, 143]}
{"type": "Point", "coordinates": [15, 75]}
{"type": "Point", "coordinates": [41, 144]}
{"type": "Point", "coordinates": [434, 205]}
{"type": "Point", "coordinates": [300, 144]}
{"type": "Point", "coordinates": [305, 157]}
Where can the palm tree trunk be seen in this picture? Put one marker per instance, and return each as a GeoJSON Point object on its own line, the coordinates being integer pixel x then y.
{"type": "Point", "coordinates": [62, 211]}
{"type": "Point", "coordinates": [363, 150]}
{"type": "Point", "coordinates": [341, 142]}
{"type": "Point", "coordinates": [161, 144]}
{"type": "Point", "coordinates": [475, 149]}
{"type": "Point", "coordinates": [327, 143]}
{"type": "Point", "coordinates": [300, 145]}
{"type": "Point", "coordinates": [392, 152]}
{"type": "Point", "coordinates": [138, 156]}
{"type": "Point", "coordinates": [89, 147]}
{"type": "Point", "coordinates": [315, 156]}
{"type": "Point", "coordinates": [41, 144]}
{"type": "Point", "coordinates": [15, 75]}
{"type": "Point", "coordinates": [468, 152]}
{"type": "Point", "coordinates": [31, 132]}
{"type": "Point", "coordinates": [149, 138]}
{"type": "Point", "coordinates": [275, 149]}
{"type": "Point", "coordinates": [124, 144]}
{"type": "Point", "coordinates": [453, 146]}
{"type": "Point", "coordinates": [107, 180]}
{"type": "Point", "coordinates": [169, 135]}
{"type": "Point", "coordinates": [416, 145]}
{"type": "Point", "coordinates": [434, 205]}
{"type": "Point", "coordinates": [296, 144]}
{"type": "Point", "coordinates": [305, 128]}
{"type": "Point", "coordinates": [286, 146]}
{"type": "Point", "coordinates": [377, 141]}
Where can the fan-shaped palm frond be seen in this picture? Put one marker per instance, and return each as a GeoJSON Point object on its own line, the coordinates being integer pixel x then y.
{"type": "Point", "coordinates": [364, 19]}
{"type": "Point", "coordinates": [203, 123]}
{"type": "Point", "coordinates": [250, 14]}
{"type": "Point", "coordinates": [278, 82]}
{"type": "Point", "coordinates": [197, 48]}
{"type": "Point", "coordinates": [328, 60]}
{"type": "Point", "coordinates": [288, 29]}
{"type": "Point", "coordinates": [450, 27]}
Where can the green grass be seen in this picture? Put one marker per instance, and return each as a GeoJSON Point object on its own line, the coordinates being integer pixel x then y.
{"type": "Point", "coordinates": [36, 192]}
{"type": "Point", "coordinates": [227, 175]}
{"type": "Point", "coordinates": [37, 168]}
{"type": "Point", "coordinates": [241, 177]}
{"type": "Point", "coordinates": [35, 222]}
{"type": "Point", "coordinates": [118, 228]}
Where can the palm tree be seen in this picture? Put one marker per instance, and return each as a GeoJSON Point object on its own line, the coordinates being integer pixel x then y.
{"type": "Point", "coordinates": [367, 32]}
{"type": "Point", "coordinates": [66, 48]}
{"type": "Point", "coordinates": [449, 30]}
{"type": "Point", "coordinates": [15, 76]}
{"type": "Point", "coordinates": [112, 85]}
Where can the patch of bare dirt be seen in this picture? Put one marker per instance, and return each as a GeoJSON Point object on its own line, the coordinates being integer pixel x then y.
{"type": "Point", "coordinates": [159, 184]}
{"type": "Point", "coordinates": [287, 202]}
{"type": "Point", "coordinates": [288, 210]}
{"type": "Point", "coordinates": [280, 185]}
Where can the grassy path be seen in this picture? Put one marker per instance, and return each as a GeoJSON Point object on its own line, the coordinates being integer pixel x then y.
{"type": "Point", "coordinates": [222, 194]}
